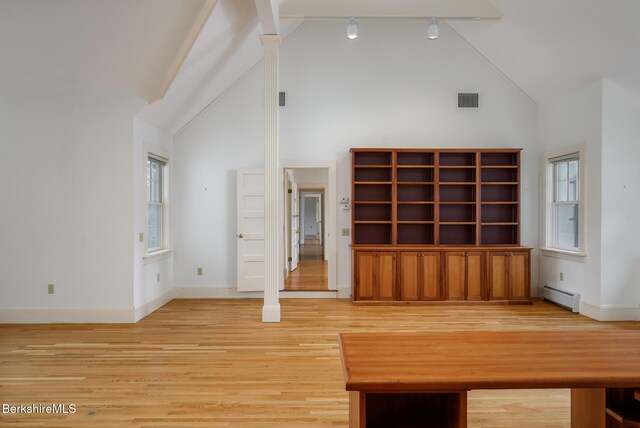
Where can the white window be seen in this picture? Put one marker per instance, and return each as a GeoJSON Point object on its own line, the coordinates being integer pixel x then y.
{"type": "Point", "coordinates": [155, 203]}
{"type": "Point", "coordinates": [565, 201]}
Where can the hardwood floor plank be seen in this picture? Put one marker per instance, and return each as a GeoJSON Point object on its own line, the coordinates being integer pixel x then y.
{"type": "Point", "coordinates": [213, 363]}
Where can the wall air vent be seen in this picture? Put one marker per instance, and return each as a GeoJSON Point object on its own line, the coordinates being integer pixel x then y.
{"type": "Point", "coordinates": [282, 98]}
{"type": "Point", "coordinates": [467, 100]}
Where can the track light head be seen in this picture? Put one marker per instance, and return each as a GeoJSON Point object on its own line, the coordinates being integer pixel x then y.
{"type": "Point", "coordinates": [433, 30]}
{"type": "Point", "coordinates": [352, 29]}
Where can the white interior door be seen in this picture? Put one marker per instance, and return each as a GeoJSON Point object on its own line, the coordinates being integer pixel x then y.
{"type": "Point", "coordinates": [319, 218]}
{"type": "Point", "coordinates": [295, 226]}
{"type": "Point", "coordinates": [250, 233]}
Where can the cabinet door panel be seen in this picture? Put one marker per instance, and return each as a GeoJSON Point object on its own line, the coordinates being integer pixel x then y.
{"type": "Point", "coordinates": [499, 276]}
{"type": "Point", "coordinates": [365, 275]}
{"type": "Point", "coordinates": [519, 276]}
{"type": "Point", "coordinates": [475, 276]}
{"type": "Point", "coordinates": [386, 276]}
{"type": "Point", "coordinates": [430, 276]}
{"type": "Point", "coordinates": [409, 275]}
{"type": "Point", "coordinates": [455, 275]}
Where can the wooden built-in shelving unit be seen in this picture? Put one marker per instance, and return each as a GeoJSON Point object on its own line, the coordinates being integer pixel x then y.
{"type": "Point", "coordinates": [431, 199]}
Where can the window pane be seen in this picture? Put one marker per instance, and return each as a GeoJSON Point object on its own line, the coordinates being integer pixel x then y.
{"type": "Point", "coordinates": [573, 169]}
{"type": "Point", "coordinates": [561, 170]}
{"type": "Point", "coordinates": [573, 190]}
{"type": "Point", "coordinates": [561, 191]}
{"type": "Point", "coordinates": [566, 230]}
{"type": "Point", "coordinates": [154, 226]}
{"type": "Point", "coordinates": [154, 180]}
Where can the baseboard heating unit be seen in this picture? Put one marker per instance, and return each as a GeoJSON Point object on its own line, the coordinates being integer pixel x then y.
{"type": "Point", "coordinates": [564, 298]}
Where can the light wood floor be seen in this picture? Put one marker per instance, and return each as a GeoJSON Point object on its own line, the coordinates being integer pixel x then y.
{"type": "Point", "coordinates": [311, 275]}
{"type": "Point", "coordinates": [312, 271]}
{"type": "Point", "coordinates": [213, 363]}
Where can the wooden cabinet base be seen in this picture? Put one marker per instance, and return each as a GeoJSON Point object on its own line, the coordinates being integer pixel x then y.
{"type": "Point", "coordinates": [459, 275]}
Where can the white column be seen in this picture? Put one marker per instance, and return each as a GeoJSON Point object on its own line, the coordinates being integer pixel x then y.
{"type": "Point", "coordinates": [271, 308]}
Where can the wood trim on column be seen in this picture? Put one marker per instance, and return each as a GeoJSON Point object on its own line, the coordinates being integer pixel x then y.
{"type": "Point", "coordinates": [271, 308]}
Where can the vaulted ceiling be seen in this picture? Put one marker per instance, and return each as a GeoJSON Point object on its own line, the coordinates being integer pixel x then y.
{"type": "Point", "coordinates": [546, 47]}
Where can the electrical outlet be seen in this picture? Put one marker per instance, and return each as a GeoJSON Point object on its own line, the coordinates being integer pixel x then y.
{"type": "Point", "coordinates": [51, 288]}
{"type": "Point", "coordinates": [345, 232]}
{"type": "Point", "coordinates": [199, 271]}
{"type": "Point", "coordinates": [561, 276]}
{"type": "Point", "coordinates": [158, 278]}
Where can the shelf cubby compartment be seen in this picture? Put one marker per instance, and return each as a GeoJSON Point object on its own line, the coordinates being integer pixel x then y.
{"type": "Point", "coordinates": [457, 193]}
{"type": "Point", "coordinates": [499, 192]}
{"type": "Point", "coordinates": [372, 234]}
{"type": "Point", "coordinates": [415, 212]}
{"type": "Point", "coordinates": [499, 213]}
{"type": "Point", "coordinates": [457, 213]}
{"type": "Point", "coordinates": [372, 158]}
{"type": "Point", "coordinates": [372, 174]}
{"type": "Point", "coordinates": [499, 175]}
{"type": "Point", "coordinates": [499, 159]}
{"type": "Point", "coordinates": [409, 410]}
{"type": "Point", "coordinates": [457, 234]}
{"type": "Point", "coordinates": [415, 233]}
{"type": "Point", "coordinates": [416, 175]}
{"type": "Point", "coordinates": [457, 159]}
{"type": "Point", "coordinates": [414, 158]}
{"type": "Point", "coordinates": [459, 175]}
{"type": "Point", "coordinates": [499, 234]}
{"type": "Point", "coordinates": [372, 192]}
{"type": "Point", "coordinates": [372, 212]}
{"type": "Point", "coordinates": [414, 192]}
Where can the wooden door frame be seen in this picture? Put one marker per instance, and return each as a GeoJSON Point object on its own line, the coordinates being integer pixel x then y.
{"type": "Point", "coordinates": [330, 225]}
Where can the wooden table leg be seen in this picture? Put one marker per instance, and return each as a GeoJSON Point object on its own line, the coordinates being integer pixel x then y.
{"type": "Point", "coordinates": [357, 410]}
{"type": "Point", "coordinates": [588, 407]}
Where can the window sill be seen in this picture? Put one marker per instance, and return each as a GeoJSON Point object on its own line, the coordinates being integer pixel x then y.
{"type": "Point", "coordinates": [564, 254]}
{"type": "Point", "coordinates": [156, 256]}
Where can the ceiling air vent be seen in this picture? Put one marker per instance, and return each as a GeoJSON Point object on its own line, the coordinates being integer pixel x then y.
{"type": "Point", "coordinates": [282, 97]}
{"type": "Point", "coordinates": [467, 100]}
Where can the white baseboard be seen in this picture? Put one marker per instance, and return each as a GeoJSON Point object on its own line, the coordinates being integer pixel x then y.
{"type": "Point", "coordinates": [610, 312]}
{"type": "Point", "coordinates": [344, 291]}
{"type": "Point", "coordinates": [153, 304]}
{"type": "Point", "coordinates": [66, 315]}
{"type": "Point", "coordinates": [230, 292]}
{"type": "Point", "coordinates": [271, 313]}
{"type": "Point", "coordinates": [214, 292]}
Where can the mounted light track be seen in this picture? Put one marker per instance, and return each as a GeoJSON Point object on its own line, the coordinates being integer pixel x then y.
{"type": "Point", "coordinates": [352, 29]}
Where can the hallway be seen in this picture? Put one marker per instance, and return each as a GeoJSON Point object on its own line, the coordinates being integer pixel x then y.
{"type": "Point", "coordinates": [311, 274]}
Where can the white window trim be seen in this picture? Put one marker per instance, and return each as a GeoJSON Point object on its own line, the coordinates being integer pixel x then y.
{"type": "Point", "coordinates": [166, 249]}
{"type": "Point", "coordinates": [547, 167]}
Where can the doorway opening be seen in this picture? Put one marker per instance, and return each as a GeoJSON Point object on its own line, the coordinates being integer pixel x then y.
{"type": "Point", "coordinates": [307, 225]}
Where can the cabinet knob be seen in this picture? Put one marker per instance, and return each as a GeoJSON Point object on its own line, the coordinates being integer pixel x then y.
{"type": "Point", "coordinates": [375, 254]}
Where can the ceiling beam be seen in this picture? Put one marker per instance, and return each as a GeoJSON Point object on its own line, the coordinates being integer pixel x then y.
{"type": "Point", "coordinates": [269, 14]}
{"type": "Point", "coordinates": [185, 48]}
{"type": "Point", "coordinates": [344, 9]}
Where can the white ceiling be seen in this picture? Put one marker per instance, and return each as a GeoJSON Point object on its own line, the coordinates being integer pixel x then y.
{"type": "Point", "coordinates": [87, 46]}
{"type": "Point", "coordinates": [547, 47]}
{"type": "Point", "coordinates": [550, 47]}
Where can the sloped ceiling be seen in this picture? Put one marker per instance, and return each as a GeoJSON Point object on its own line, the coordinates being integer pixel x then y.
{"type": "Point", "coordinates": [551, 47]}
{"type": "Point", "coordinates": [546, 47]}
{"type": "Point", "coordinates": [88, 46]}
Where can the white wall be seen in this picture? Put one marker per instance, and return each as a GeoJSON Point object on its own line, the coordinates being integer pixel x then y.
{"type": "Point", "coordinates": [572, 119]}
{"type": "Point", "coordinates": [153, 276]}
{"type": "Point", "coordinates": [390, 88]}
{"type": "Point", "coordinates": [608, 120]}
{"type": "Point", "coordinates": [66, 218]}
{"type": "Point", "coordinates": [207, 153]}
{"type": "Point", "coordinates": [620, 200]}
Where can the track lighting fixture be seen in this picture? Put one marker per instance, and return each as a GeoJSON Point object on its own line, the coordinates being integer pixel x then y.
{"type": "Point", "coordinates": [433, 30]}
{"type": "Point", "coordinates": [352, 29]}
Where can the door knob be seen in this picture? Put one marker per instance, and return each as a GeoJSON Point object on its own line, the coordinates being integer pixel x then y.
{"type": "Point", "coordinates": [240, 236]}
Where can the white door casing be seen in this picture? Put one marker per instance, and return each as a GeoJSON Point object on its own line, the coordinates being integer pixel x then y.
{"type": "Point", "coordinates": [250, 229]}
{"type": "Point", "coordinates": [295, 226]}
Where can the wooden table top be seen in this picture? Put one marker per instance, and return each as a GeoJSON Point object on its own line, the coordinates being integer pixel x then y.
{"type": "Point", "coordinates": [455, 361]}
